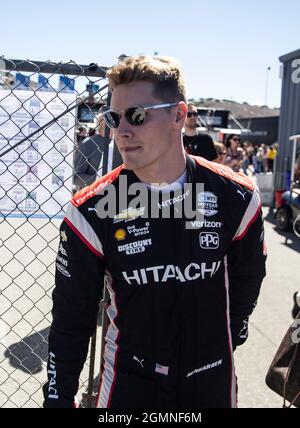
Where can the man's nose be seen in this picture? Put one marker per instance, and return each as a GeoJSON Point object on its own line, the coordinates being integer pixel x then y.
{"type": "Point", "coordinates": [124, 129]}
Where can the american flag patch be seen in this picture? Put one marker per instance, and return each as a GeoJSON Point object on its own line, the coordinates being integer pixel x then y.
{"type": "Point", "coordinates": [161, 369]}
{"type": "Point", "coordinates": [265, 248]}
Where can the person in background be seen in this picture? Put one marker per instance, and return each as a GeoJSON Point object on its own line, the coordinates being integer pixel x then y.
{"type": "Point", "coordinates": [250, 151]}
{"type": "Point", "coordinates": [246, 162]}
{"type": "Point", "coordinates": [254, 160]}
{"type": "Point", "coordinates": [81, 133]}
{"type": "Point", "coordinates": [265, 159]}
{"type": "Point", "coordinates": [234, 157]}
{"type": "Point", "coordinates": [260, 159]}
{"type": "Point", "coordinates": [221, 153]}
{"type": "Point", "coordinates": [197, 143]}
{"type": "Point", "coordinates": [271, 154]}
{"type": "Point", "coordinates": [88, 157]}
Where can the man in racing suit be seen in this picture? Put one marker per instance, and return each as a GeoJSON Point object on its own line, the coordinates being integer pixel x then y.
{"type": "Point", "coordinates": [181, 288]}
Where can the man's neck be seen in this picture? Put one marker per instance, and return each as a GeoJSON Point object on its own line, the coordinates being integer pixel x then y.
{"type": "Point", "coordinates": [162, 174]}
{"type": "Point", "coordinates": [190, 132]}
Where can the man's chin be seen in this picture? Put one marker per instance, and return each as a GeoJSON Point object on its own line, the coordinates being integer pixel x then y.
{"type": "Point", "coordinates": [129, 165]}
{"type": "Point", "coordinates": [134, 166]}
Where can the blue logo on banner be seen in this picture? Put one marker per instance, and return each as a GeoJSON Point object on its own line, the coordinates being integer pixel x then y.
{"type": "Point", "coordinates": [22, 81]}
{"type": "Point", "coordinates": [66, 84]}
{"type": "Point", "coordinates": [43, 84]}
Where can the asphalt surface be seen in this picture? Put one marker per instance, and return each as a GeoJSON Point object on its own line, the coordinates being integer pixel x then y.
{"type": "Point", "coordinates": [270, 320]}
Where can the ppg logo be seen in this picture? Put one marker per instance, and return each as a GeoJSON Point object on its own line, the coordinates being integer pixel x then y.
{"type": "Point", "coordinates": [209, 240]}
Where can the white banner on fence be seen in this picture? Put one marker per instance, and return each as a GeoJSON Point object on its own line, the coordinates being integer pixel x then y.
{"type": "Point", "coordinates": [36, 177]}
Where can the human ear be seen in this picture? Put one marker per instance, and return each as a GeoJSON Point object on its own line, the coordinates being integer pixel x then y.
{"type": "Point", "coordinates": [181, 112]}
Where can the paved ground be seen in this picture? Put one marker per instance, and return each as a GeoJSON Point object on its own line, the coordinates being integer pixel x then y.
{"type": "Point", "coordinates": [270, 320]}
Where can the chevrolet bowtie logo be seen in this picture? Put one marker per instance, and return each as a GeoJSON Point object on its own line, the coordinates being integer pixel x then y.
{"type": "Point", "coordinates": [129, 214]}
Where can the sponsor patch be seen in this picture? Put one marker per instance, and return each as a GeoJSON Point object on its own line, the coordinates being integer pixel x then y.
{"type": "Point", "coordinates": [174, 200]}
{"type": "Point", "coordinates": [139, 361]}
{"type": "Point", "coordinates": [120, 235]}
{"type": "Point", "coordinates": [62, 250]}
{"type": "Point", "coordinates": [209, 240]}
{"type": "Point", "coordinates": [207, 204]}
{"type": "Point", "coordinates": [62, 261]}
{"type": "Point", "coordinates": [63, 270]}
{"type": "Point", "coordinates": [243, 194]}
{"type": "Point", "coordinates": [139, 231]}
{"type": "Point", "coordinates": [135, 247]}
{"type": "Point", "coordinates": [164, 370]}
{"type": "Point", "coordinates": [205, 368]}
{"type": "Point", "coordinates": [129, 214]}
{"type": "Point", "coordinates": [63, 236]}
{"type": "Point", "coordinates": [197, 224]}
{"type": "Point", "coordinates": [52, 391]}
{"type": "Point", "coordinates": [163, 274]}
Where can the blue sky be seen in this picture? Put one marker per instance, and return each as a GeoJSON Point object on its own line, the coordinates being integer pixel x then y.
{"type": "Point", "coordinates": [224, 47]}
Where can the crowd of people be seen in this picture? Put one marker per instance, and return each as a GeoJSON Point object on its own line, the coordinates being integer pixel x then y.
{"type": "Point", "coordinates": [239, 156]}
{"type": "Point", "coordinates": [250, 158]}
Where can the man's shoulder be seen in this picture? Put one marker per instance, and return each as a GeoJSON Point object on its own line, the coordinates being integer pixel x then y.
{"type": "Point", "coordinates": [225, 172]}
{"type": "Point", "coordinates": [204, 136]}
{"type": "Point", "coordinates": [199, 136]}
{"type": "Point", "coordinates": [93, 139]}
{"type": "Point", "coordinates": [90, 191]}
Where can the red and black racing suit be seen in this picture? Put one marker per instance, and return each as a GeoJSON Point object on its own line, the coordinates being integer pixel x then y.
{"type": "Point", "coordinates": [180, 297]}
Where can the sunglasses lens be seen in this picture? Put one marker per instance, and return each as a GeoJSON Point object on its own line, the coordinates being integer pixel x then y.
{"type": "Point", "coordinates": [112, 119]}
{"type": "Point", "coordinates": [192, 114]}
{"type": "Point", "coordinates": [136, 116]}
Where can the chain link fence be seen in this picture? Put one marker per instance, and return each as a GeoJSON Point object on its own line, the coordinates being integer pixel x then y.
{"type": "Point", "coordinates": [46, 112]}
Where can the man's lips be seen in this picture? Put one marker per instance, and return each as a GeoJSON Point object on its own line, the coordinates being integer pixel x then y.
{"type": "Point", "coordinates": [130, 149]}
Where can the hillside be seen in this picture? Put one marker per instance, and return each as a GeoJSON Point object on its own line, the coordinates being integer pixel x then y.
{"type": "Point", "coordinates": [238, 110]}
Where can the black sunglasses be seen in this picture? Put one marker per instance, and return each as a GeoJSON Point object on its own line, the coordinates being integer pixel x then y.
{"type": "Point", "coordinates": [236, 139]}
{"type": "Point", "coordinates": [192, 113]}
{"type": "Point", "coordinates": [135, 116]}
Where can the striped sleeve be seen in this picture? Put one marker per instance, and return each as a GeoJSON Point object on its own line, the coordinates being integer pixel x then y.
{"type": "Point", "coordinates": [252, 212]}
{"type": "Point", "coordinates": [80, 226]}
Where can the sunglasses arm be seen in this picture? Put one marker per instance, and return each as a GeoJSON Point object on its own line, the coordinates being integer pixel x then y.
{"type": "Point", "coordinates": [159, 106]}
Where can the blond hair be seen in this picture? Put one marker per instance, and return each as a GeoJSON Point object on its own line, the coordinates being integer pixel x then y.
{"type": "Point", "coordinates": [164, 72]}
{"type": "Point", "coordinates": [220, 148]}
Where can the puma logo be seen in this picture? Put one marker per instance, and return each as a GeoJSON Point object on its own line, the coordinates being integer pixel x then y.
{"type": "Point", "coordinates": [139, 361]}
{"type": "Point", "coordinates": [242, 194]}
